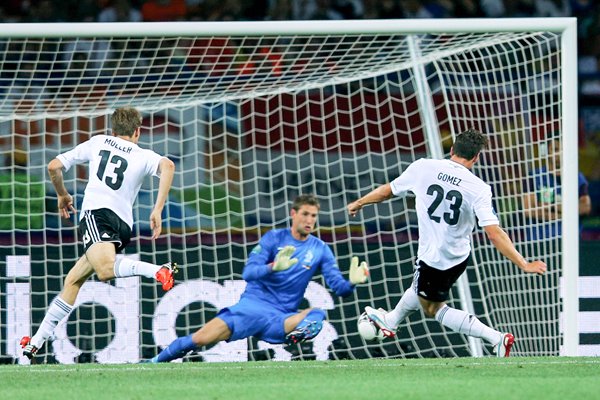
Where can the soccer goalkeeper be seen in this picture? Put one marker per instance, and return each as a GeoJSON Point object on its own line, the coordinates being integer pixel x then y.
{"type": "Point", "coordinates": [277, 273]}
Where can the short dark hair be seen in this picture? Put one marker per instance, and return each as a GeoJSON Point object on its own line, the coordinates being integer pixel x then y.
{"type": "Point", "coordinates": [125, 121]}
{"type": "Point", "coordinates": [469, 143]}
{"type": "Point", "coordinates": [305, 199]}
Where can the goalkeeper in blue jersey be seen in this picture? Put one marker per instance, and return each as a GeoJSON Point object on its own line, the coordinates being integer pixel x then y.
{"type": "Point", "coordinates": [277, 273]}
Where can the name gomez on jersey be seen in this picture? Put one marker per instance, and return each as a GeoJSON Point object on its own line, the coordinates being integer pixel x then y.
{"type": "Point", "coordinates": [117, 169]}
{"type": "Point", "coordinates": [449, 198]}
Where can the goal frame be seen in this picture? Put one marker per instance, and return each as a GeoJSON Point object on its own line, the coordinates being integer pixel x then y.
{"type": "Point", "coordinates": [567, 27]}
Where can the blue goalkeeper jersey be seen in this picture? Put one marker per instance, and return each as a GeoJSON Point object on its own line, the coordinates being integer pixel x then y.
{"type": "Point", "coordinates": [285, 289]}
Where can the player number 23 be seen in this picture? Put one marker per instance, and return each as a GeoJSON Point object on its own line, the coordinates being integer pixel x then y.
{"type": "Point", "coordinates": [453, 197]}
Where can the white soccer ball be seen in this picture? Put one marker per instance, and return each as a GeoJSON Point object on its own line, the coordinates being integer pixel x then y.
{"type": "Point", "coordinates": [367, 329]}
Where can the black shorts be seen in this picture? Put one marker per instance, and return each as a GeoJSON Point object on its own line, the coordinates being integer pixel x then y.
{"type": "Point", "coordinates": [103, 225]}
{"type": "Point", "coordinates": [434, 284]}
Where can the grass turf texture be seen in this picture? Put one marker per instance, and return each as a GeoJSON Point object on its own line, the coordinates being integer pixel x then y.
{"type": "Point", "coordinates": [460, 378]}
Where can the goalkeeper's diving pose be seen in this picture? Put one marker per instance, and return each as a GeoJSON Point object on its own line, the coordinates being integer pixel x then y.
{"type": "Point", "coordinates": [277, 273]}
{"type": "Point", "coordinates": [449, 200]}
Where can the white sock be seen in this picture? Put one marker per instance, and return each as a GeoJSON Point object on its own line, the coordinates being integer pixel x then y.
{"type": "Point", "coordinates": [463, 322]}
{"type": "Point", "coordinates": [57, 311]}
{"type": "Point", "coordinates": [408, 304]}
{"type": "Point", "coordinates": [125, 267]}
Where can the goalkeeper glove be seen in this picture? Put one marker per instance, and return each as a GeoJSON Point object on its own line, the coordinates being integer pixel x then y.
{"type": "Point", "coordinates": [283, 260]}
{"type": "Point", "coordinates": [358, 274]}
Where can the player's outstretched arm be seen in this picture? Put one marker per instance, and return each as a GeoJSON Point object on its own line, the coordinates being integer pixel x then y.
{"type": "Point", "coordinates": [65, 201]}
{"type": "Point", "coordinates": [166, 169]}
{"type": "Point", "coordinates": [358, 273]}
{"type": "Point", "coordinates": [504, 244]}
{"type": "Point", "coordinates": [378, 195]}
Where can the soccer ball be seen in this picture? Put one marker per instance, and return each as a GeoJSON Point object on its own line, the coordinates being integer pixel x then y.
{"type": "Point", "coordinates": [367, 329]}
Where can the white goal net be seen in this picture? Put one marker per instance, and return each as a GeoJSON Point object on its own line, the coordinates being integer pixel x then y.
{"type": "Point", "coordinates": [254, 114]}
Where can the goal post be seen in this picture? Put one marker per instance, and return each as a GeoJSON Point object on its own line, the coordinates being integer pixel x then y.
{"type": "Point", "coordinates": [254, 113]}
{"type": "Point", "coordinates": [570, 239]}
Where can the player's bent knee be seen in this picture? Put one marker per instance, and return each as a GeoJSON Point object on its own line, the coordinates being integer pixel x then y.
{"type": "Point", "coordinates": [435, 311]}
{"type": "Point", "coordinates": [103, 277]}
{"type": "Point", "coordinates": [105, 274]}
{"type": "Point", "coordinates": [216, 330]}
{"type": "Point", "coordinates": [431, 309]}
{"type": "Point", "coordinates": [429, 313]}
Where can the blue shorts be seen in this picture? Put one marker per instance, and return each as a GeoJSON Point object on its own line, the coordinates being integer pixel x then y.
{"type": "Point", "coordinates": [254, 318]}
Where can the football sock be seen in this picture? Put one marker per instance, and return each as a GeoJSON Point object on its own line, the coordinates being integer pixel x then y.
{"type": "Point", "coordinates": [408, 304]}
{"type": "Point", "coordinates": [314, 319]}
{"type": "Point", "coordinates": [125, 267]}
{"type": "Point", "coordinates": [463, 322]}
{"type": "Point", "coordinates": [58, 310]}
{"type": "Point", "coordinates": [177, 349]}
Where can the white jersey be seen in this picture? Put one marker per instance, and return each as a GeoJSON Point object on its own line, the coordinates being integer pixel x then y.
{"type": "Point", "coordinates": [448, 198]}
{"type": "Point", "coordinates": [117, 169]}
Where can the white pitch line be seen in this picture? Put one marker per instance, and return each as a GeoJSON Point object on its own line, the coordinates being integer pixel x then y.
{"type": "Point", "coordinates": [299, 365]}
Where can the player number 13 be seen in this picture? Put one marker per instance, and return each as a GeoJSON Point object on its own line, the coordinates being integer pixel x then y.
{"type": "Point", "coordinates": [116, 180]}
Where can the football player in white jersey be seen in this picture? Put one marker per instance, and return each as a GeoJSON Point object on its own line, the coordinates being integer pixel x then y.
{"type": "Point", "coordinates": [449, 201]}
{"type": "Point", "coordinates": [117, 168]}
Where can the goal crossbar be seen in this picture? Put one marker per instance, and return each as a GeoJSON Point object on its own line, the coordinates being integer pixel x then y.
{"type": "Point", "coordinates": [266, 28]}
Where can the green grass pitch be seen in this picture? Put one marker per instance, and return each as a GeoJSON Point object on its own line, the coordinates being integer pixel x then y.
{"type": "Point", "coordinates": [459, 378]}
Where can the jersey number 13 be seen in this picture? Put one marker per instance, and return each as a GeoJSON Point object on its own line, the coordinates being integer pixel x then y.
{"type": "Point", "coordinates": [114, 182]}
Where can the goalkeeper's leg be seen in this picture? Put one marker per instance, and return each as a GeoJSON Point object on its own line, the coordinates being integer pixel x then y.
{"type": "Point", "coordinates": [177, 349]}
{"type": "Point", "coordinates": [214, 331]}
{"type": "Point", "coordinates": [311, 323]}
